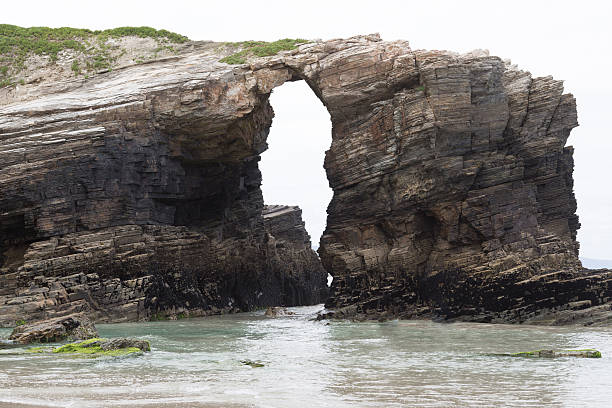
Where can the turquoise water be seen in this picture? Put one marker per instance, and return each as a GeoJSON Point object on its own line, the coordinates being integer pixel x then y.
{"type": "Point", "coordinates": [197, 363]}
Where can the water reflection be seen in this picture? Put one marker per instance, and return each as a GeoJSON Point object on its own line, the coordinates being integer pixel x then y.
{"type": "Point", "coordinates": [197, 362]}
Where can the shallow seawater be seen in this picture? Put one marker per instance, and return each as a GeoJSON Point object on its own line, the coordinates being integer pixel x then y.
{"type": "Point", "coordinates": [197, 363]}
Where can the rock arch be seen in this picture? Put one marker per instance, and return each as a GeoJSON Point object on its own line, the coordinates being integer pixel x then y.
{"type": "Point", "coordinates": [138, 192]}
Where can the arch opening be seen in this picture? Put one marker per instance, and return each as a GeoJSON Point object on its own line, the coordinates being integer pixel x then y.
{"type": "Point", "coordinates": [292, 166]}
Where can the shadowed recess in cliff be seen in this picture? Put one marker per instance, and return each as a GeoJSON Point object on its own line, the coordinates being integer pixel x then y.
{"type": "Point", "coordinates": [292, 167]}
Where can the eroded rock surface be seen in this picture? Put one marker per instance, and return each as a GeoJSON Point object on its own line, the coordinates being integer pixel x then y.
{"type": "Point", "coordinates": [71, 327]}
{"type": "Point", "coordinates": [137, 192]}
{"type": "Point", "coordinates": [306, 280]}
{"type": "Point", "coordinates": [277, 312]}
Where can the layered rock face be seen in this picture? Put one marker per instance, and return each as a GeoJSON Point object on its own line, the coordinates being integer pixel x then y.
{"type": "Point", "coordinates": [73, 327]}
{"type": "Point", "coordinates": [453, 194]}
{"type": "Point", "coordinates": [289, 241]}
{"type": "Point", "coordinates": [137, 192]}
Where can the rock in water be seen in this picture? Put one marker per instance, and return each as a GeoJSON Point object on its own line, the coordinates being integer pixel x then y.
{"type": "Point", "coordinates": [72, 327]}
{"type": "Point", "coordinates": [278, 311]}
{"type": "Point", "coordinates": [105, 347]}
{"type": "Point", "coordinates": [6, 344]}
{"type": "Point", "coordinates": [137, 191]}
{"type": "Point", "coordinates": [585, 353]}
{"type": "Point", "coordinates": [290, 242]}
{"type": "Point", "coordinates": [121, 343]}
{"type": "Point", "coordinates": [254, 364]}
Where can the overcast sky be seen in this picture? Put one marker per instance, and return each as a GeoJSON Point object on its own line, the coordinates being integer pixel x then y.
{"type": "Point", "coordinates": [569, 40]}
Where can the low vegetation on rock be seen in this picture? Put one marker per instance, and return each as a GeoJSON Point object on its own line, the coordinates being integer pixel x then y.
{"type": "Point", "coordinates": [259, 49]}
{"type": "Point", "coordinates": [99, 347]}
{"type": "Point", "coordinates": [19, 43]}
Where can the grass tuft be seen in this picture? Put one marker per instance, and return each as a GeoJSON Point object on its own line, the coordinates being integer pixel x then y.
{"type": "Point", "coordinates": [259, 49]}
{"type": "Point", "coordinates": [75, 68]}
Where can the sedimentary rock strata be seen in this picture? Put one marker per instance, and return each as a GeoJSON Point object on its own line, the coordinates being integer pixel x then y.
{"type": "Point", "coordinates": [137, 192]}
{"type": "Point", "coordinates": [304, 280]}
{"type": "Point", "coordinates": [72, 327]}
{"type": "Point", "coordinates": [134, 272]}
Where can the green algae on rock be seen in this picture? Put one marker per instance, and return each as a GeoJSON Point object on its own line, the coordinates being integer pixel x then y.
{"type": "Point", "coordinates": [103, 347]}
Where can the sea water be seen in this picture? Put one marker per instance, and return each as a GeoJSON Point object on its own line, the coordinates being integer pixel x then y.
{"type": "Point", "coordinates": [198, 363]}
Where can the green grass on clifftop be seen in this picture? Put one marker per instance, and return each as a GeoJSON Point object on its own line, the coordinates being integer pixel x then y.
{"type": "Point", "coordinates": [260, 49]}
{"type": "Point", "coordinates": [18, 43]}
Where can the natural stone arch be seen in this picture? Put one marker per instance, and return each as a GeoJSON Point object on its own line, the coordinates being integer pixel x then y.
{"type": "Point", "coordinates": [452, 187]}
{"type": "Point", "coordinates": [453, 143]}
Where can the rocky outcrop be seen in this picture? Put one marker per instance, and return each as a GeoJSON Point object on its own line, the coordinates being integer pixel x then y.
{"type": "Point", "coordinates": [453, 198]}
{"type": "Point", "coordinates": [278, 312]}
{"type": "Point", "coordinates": [305, 280]}
{"type": "Point", "coordinates": [72, 327]}
{"type": "Point", "coordinates": [123, 343]}
{"type": "Point", "coordinates": [285, 224]}
{"type": "Point", "coordinates": [137, 192]}
{"type": "Point", "coordinates": [101, 347]}
{"type": "Point", "coordinates": [133, 272]}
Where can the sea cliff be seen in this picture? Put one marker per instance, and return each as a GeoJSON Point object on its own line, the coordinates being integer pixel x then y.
{"type": "Point", "coordinates": [131, 190]}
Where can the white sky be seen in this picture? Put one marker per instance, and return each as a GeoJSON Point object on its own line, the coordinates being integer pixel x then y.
{"type": "Point", "coordinates": [571, 40]}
